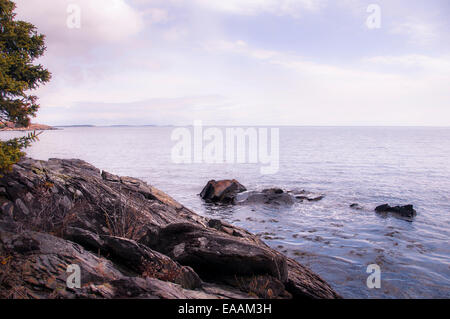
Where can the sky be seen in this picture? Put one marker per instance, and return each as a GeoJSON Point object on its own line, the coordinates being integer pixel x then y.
{"type": "Point", "coordinates": [244, 62]}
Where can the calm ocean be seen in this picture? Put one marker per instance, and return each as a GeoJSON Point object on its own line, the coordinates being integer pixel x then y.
{"type": "Point", "coordinates": [369, 166]}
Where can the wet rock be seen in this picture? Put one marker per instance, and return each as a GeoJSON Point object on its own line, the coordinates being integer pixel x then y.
{"type": "Point", "coordinates": [305, 195]}
{"type": "Point", "coordinates": [275, 197]}
{"type": "Point", "coordinates": [265, 197]}
{"type": "Point", "coordinates": [273, 191]}
{"type": "Point", "coordinates": [221, 191]}
{"type": "Point", "coordinates": [407, 211]}
{"type": "Point", "coordinates": [356, 206]}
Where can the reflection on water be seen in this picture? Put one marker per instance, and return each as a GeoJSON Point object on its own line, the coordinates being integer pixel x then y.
{"type": "Point", "coordinates": [368, 166]}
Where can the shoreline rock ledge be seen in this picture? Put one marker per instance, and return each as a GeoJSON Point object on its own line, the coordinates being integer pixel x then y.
{"type": "Point", "coordinates": [130, 240]}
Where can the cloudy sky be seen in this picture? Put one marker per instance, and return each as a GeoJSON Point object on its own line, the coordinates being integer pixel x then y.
{"type": "Point", "coordinates": [244, 62]}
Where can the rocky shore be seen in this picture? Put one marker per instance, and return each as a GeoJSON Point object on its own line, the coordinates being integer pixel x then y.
{"type": "Point", "coordinates": [130, 240]}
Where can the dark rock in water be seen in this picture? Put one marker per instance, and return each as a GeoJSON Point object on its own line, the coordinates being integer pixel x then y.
{"type": "Point", "coordinates": [305, 195]}
{"type": "Point", "coordinates": [273, 191]}
{"type": "Point", "coordinates": [356, 206]}
{"type": "Point", "coordinates": [407, 211]}
{"type": "Point", "coordinates": [265, 197]}
{"type": "Point", "coordinates": [130, 240]}
{"type": "Point", "coordinates": [221, 191]}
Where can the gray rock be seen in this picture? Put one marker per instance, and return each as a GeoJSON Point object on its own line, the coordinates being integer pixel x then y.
{"type": "Point", "coordinates": [266, 197]}
{"type": "Point", "coordinates": [305, 195]}
{"type": "Point", "coordinates": [356, 206]}
{"type": "Point", "coordinates": [407, 211]}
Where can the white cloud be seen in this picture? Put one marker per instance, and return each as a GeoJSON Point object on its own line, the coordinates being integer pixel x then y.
{"type": "Point", "coordinates": [151, 111]}
{"type": "Point", "coordinates": [440, 65]}
{"type": "Point", "coordinates": [418, 32]}
{"type": "Point", "coordinates": [252, 7]}
{"type": "Point", "coordinates": [304, 92]}
{"type": "Point", "coordinates": [240, 47]}
{"type": "Point", "coordinates": [101, 20]}
{"type": "Point", "coordinates": [157, 15]}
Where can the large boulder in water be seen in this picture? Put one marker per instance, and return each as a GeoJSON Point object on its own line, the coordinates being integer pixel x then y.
{"type": "Point", "coordinates": [222, 191]}
{"type": "Point", "coordinates": [407, 211]}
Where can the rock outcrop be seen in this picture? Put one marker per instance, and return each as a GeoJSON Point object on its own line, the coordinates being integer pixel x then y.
{"type": "Point", "coordinates": [407, 211]}
{"type": "Point", "coordinates": [130, 240]}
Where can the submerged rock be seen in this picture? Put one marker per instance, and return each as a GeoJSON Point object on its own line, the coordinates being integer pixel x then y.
{"type": "Point", "coordinates": [130, 240]}
{"type": "Point", "coordinates": [276, 197]}
{"type": "Point", "coordinates": [356, 206]}
{"type": "Point", "coordinates": [407, 211]}
{"type": "Point", "coordinates": [305, 195]}
{"type": "Point", "coordinates": [266, 197]}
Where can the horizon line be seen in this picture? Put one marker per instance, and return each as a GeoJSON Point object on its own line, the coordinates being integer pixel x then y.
{"type": "Point", "coordinates": [240, 125]}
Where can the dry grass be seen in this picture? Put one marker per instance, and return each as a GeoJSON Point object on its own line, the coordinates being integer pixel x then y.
{"type": "Point", "coordinates": [53, 216]}
{"type": "Point", "coordinates": [11, 280]}
{"type": "Point", "coordinates": [123, 218]}
{"type": "Point", "coordinates": [257, 286]}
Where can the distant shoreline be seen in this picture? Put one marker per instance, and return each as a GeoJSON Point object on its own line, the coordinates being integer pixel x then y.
{"type": "Point", "coordinates": [31, 127]}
